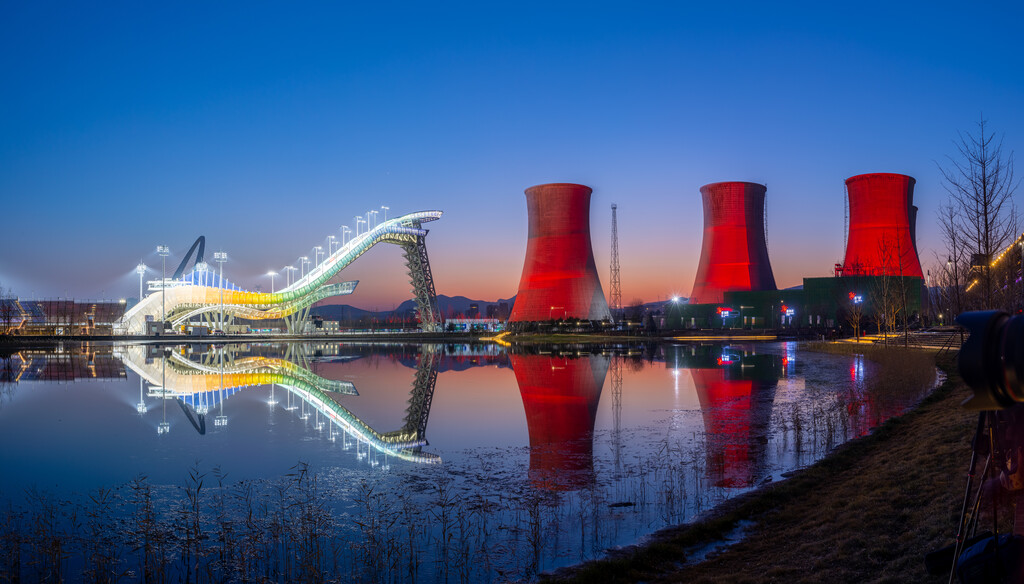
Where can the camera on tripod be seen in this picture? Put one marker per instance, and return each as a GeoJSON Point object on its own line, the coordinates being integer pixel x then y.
{"type": "Point", "coordinates": [991, 362]}
{"type": "Point", "coordinates": [992, 359]}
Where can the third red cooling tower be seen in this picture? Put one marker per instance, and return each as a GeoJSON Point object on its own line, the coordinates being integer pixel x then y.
{"type": "Point", "coordinates": [881, 240]}
{"type": "Point", "coordinates": [559, 275]}
{"type": "Point", "coordinates": [734, 254]}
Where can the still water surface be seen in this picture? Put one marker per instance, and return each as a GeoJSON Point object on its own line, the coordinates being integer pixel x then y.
{"type": "Point", "coordinates": [431, 462]}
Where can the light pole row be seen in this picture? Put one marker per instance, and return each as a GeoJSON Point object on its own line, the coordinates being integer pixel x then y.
{"type": "Point", "coordinates": [220, 257]}
{"type": "Point", "coordinates": [163, 251]}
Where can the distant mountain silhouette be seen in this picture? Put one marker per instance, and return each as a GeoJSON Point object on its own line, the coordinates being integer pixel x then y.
{"type": "Point", "coordinates": [447, 304]}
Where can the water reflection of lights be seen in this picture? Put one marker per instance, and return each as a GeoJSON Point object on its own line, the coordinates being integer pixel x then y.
{"type": "Point", "coordinates": [202, 386]}
{"type": "Point", "coordinates": [857, 369]}
{"type": "Point", "coordinates": [141, 406]}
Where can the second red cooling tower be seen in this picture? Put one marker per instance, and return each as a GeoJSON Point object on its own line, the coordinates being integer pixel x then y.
{"type": "Point", "coordinates": [734, 253]}
{"type": "Point", "coordinates": [881, 240]}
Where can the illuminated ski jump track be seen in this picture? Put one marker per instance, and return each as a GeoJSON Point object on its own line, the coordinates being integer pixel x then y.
{"type": "Point", "coordinates": [199, 293]}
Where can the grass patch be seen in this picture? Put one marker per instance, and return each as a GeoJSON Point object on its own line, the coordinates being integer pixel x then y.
{"type": "Point", "coordinates": [867, 513]}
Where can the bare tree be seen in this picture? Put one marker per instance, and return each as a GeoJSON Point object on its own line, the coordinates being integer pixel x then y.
{"type": "Point", "coordinates": [854, 312]}
{"type": "Point", "coordinates": [7, 309]}
{"type": "Point", "coordinates": [889, 290]}
{"type": "Point", "coordinates": [952, 273]}
{"type": "Point", "coordinates": [980, 182]}
{"type": "Point", "coordinates": [635, 312]}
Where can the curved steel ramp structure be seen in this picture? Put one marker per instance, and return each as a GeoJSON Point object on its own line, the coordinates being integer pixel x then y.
{"type": "Point", "coordinates": [195, 294]}
{"type": "Point", "coordinates": [201, 244]}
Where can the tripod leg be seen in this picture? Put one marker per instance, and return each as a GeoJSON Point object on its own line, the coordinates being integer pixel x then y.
{"type": "Point", "coordinates": [971, 525]}
{"type": "Point", "coordinates": [970, 479]}
{"type": "Point", "coordinates": [962, 523]}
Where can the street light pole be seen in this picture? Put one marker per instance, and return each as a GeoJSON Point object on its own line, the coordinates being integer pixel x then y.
{"type": "Point", "coordinates": [141, 271]}
{"type": "Point", "coordinates": [221, 257]}
{"type": "Point", "coordinates": [386, 208]}
{"type": "Point", "coordinates": [272, 275]}
{"type": "Point", "coordinates": [163, 251]}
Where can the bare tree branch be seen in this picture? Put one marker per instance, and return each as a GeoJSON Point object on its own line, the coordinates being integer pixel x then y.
{"type": "Point", "coordinates": [980, 183]}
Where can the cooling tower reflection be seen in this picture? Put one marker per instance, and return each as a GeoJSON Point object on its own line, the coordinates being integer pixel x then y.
{"type": "Point", "coordinates": [560, 396]}
{"type": "Point", "coordinates": [736, 389]}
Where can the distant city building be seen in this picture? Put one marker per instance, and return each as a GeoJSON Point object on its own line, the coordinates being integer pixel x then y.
{"type": "Point", "coordinates": [474, 324]}
{"type": "Point", "coordinates": [59, 316]}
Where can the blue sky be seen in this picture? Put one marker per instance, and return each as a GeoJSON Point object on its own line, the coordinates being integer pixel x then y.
{"type": "Point", "coordinates": [265, 126]}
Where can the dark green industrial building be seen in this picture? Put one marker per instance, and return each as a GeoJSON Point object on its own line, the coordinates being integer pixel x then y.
{"type": "Point", "coordinates": [821, 303]}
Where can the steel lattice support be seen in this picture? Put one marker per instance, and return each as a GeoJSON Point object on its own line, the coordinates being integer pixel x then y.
{"type": "Point", "coordinates": [418, 412]}
{"type": "Point", "coordinates": [422, 281]}
{"type": "Point", "coordinates": [616, 286]}
{"type": "Point", "coordinates": [295, 322]}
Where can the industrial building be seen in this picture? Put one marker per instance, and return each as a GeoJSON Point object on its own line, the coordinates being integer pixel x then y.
{"type": "Point", "coordinates": [559, 280]}
{"type": "Point", "coordinates": [735, 289]}
{"type": "Point", "coordinates": [59, 316]}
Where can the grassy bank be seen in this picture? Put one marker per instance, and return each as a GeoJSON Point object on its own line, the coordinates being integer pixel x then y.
{"type": "Point", "coordinates": [867, 513]}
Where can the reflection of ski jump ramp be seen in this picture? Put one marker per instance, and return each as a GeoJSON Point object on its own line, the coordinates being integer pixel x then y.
{"type": "Point", "coordinates": [204, 292]}
{"type": "Point", "coordinates": [183, 378]}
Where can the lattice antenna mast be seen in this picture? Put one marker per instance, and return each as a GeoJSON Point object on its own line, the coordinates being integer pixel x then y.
{"type": "Point", "coordinates": [616, 302]}
{"type": "Point", "coordinates": [846, 218]}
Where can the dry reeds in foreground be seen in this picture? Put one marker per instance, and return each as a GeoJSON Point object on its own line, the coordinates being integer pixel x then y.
{"type": "Point", "coordinates": [867, 513]}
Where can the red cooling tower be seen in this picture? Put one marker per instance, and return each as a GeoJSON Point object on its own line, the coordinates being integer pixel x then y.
{"type": "Point", "coordinates": [559, 276]}
{"type": "Point", "coordinates": [881, 240]}
{"type": "Point", "coordinates": [734, 254]}
{"type": "Point", "coordinates": [560, 396]}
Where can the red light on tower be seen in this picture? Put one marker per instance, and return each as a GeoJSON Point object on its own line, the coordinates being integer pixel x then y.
{"type": "Point", "coordinates": [881, 239]}
{"type": "Point", "coordinates": [559, 278]}
{"type": "Point", "coordinates": [734, 252]}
